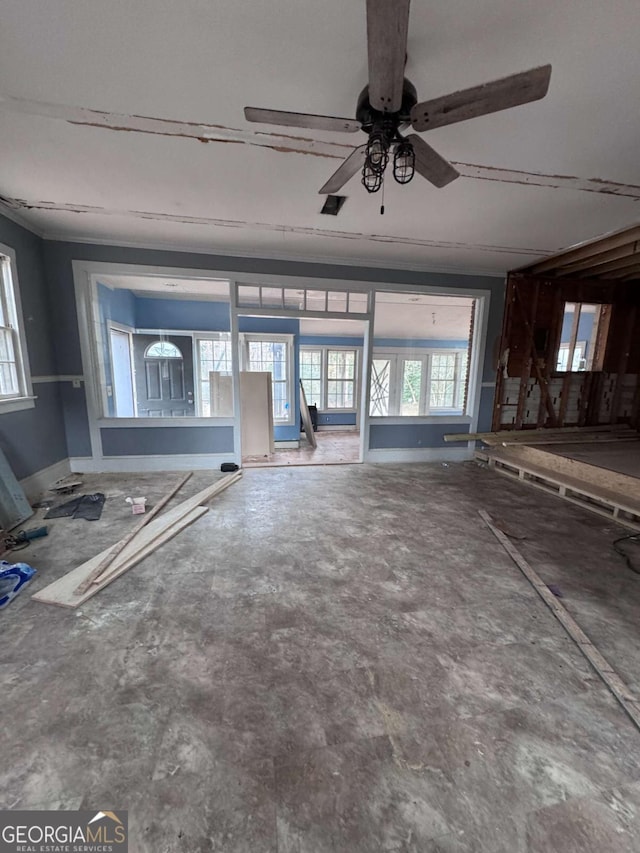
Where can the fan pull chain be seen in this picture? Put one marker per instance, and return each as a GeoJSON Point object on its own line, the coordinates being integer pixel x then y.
{"type": "Point", "coordinates": [382, 205]}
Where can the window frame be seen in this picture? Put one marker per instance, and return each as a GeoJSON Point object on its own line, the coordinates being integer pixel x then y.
{"type": "Point", "coordinates": [397, 356]}
{"type": "Point", "coordinates": [325, 349]}
{"type": "Point", "coordinates": [594, 347]}
{"type": "Point", "coordinates": [245, 338]}
{"type": "Point", "coordinates": [12, 309]}
{"type": "Point", "coordinates": [199, 379]}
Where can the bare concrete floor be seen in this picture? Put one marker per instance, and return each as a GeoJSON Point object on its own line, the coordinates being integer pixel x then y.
{"type": "Point", "coordinates": [333, 660]}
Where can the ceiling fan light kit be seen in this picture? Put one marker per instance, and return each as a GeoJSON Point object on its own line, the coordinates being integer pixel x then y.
{"type": "Point", "coordinates": [389, 104]}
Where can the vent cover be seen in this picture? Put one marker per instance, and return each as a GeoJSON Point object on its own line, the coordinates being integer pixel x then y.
{"type": "Point", "coordinates": [333, 204]}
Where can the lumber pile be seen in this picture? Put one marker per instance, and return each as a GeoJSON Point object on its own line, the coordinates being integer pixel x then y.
{"type": "Point", "coordinates": [83, 582]}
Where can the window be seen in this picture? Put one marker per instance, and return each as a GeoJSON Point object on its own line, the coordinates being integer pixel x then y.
{"type": "Point", "coordinates": [162, 349]}
{"type": "Point", "coordinates": [411, 387]}
{"type": "Point", "coordinates": [380, 387]}
{"type": "Point", "coordinates": [583, 338]}
{"type": "Point", "coordinates": [329, 377]}
{"type": "Point", "coordinates": [311, 375]}
{"type": "Point", "coordinates": [447, 380]}
{"type": "Point", "coordinates": [213, 355]}
{"type": "Point", "coordinates": [272, 354]}
{"type": "Point", "coordinates": [14, 383]}
{"type": "Point", "coordinates": [341, 381]}
{"type": "Point", "coordinates": [418, 383]}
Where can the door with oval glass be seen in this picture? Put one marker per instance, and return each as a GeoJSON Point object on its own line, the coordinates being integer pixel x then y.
{"type": "Point", "coordinates": [164, 376]}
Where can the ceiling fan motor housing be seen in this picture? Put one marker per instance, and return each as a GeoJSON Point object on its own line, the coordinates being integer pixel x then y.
{"type": "Point", "coordinates": [370, 117]}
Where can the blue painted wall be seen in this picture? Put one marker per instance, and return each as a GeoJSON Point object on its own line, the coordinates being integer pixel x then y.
{"type": "Point", "coordinates": [148, 441]}
{"type": "Point", "coordinates": [411, 436]}
{"type": "Point", "coordinates": [59, 255]}
{"type": "Point", "coordinates": [34, 438]}
{"type": "Point", "coordinates": [185, 315]}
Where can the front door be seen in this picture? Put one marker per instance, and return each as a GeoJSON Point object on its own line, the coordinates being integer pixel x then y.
{"type": "Point", "coordinates": [164, 376]}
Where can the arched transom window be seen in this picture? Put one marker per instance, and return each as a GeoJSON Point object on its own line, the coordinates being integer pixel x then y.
{"type": "Point", "coordinates": [162, 349]}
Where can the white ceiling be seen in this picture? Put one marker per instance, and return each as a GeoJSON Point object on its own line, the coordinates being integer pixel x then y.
{"type": "Point", "coordinates": [532, 176]}
{"type": "Point", "coordinates": [164, 287]}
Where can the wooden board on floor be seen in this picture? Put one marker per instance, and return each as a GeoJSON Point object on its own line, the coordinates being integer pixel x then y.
{"type": "Point", "coordinates": [158, 531]}
{"type": "Point", "coordinates": [607, 673]}
{"type": "Point", "coordinates": [62, 592]}
{"type": "Point", "coordinates": [306, 418]}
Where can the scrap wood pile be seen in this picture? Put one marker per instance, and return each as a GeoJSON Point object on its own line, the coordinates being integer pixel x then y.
{"type": "Point", "coordinates": [83, 582]}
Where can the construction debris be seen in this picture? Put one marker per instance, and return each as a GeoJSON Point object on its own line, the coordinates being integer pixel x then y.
{"type": "Point", "coordinates": [63, 592]}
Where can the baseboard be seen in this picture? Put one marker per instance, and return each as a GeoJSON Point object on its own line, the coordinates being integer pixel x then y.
{"type": "Point", "coordinates": [35, 484]}
{"type": "Point", "coordinates": [287, 445]}
{"type": "Point", "coordinates": [132, 464]}
{"type": "Point", "coordinates": [420, 454]}
{"type": "Point", "coordinates": [337, 428]}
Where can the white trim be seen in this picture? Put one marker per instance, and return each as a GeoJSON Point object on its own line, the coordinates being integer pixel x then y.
{"type": "Point", "coordinates": [11, 213]}
{"type": "Point", "coordinates": [12, 303]}
{"type": "Point", "coordinates": [188, 421]}
{"type": "Point", "coordinates": [17, 405]}
{"type": "Point", "coordinates": [40, 481]}
{"type": "Point", "coordinates": [67, 377]}
{"type": "Point", "coordinates": [420, 454]}
{"type": "Point", "coordinates": [131, 464]}
{"type": "Point", "coordinates": [293, 444]}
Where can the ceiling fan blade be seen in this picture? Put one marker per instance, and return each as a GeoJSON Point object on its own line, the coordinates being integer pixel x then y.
{"type": "Point", "coordinates": [482, 100]}
{"type": "Point", "coordinates": [348, 168]}
{"type": "Point", "coordinates": [430, 164]}
{"type": "Point", "coordinates": [307, 120]}
{"type": "Point", "coordinates": [387, 23]}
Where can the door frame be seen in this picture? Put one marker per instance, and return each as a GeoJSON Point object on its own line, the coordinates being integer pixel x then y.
{"type": "Point", "coordinates": [126, 330]}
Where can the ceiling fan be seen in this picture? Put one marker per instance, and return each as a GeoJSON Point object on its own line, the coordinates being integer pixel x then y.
{"type": "Point", "coordinates": [389, 104]}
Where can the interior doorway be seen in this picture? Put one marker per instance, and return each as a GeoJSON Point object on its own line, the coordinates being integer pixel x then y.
{"type": "Point", "coordinates": [325, 357]}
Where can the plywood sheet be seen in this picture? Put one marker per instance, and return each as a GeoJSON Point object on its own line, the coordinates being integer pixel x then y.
{"type": "Point", "coordinates": [257, 413]}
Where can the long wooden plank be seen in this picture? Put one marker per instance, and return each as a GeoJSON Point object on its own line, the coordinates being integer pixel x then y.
{"type": "Point", "coordinates": [528, 434]}
{"type": "Point", "coordinates": [66, 585]}
{"type": "Point", "coordinates": [306, 418]}
{"type": "Point", "coordinates": [607, 673]}
{"type": "Point", "coordinates": [105, 565]}
{"type": "Point", "coordinates": [62, 591]}
{"type": "Point", "coordinates": [169, 518]}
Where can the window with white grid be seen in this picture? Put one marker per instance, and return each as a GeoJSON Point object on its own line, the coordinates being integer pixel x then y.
{"type": "Point", "coordinates": [341, 379]}
{"type": "Point", "coordinates": [311, 375]}
{"type": "Point", "coordinates": [272, 354]}
{"type": "Point", "coordinates": [213, 356]}
{"type": "Point", "coordinates": [418, 383]}
{"type": "Point", "coordinates": [330, 377]}
{"type": "Point", "coordinates": [13, 372]}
